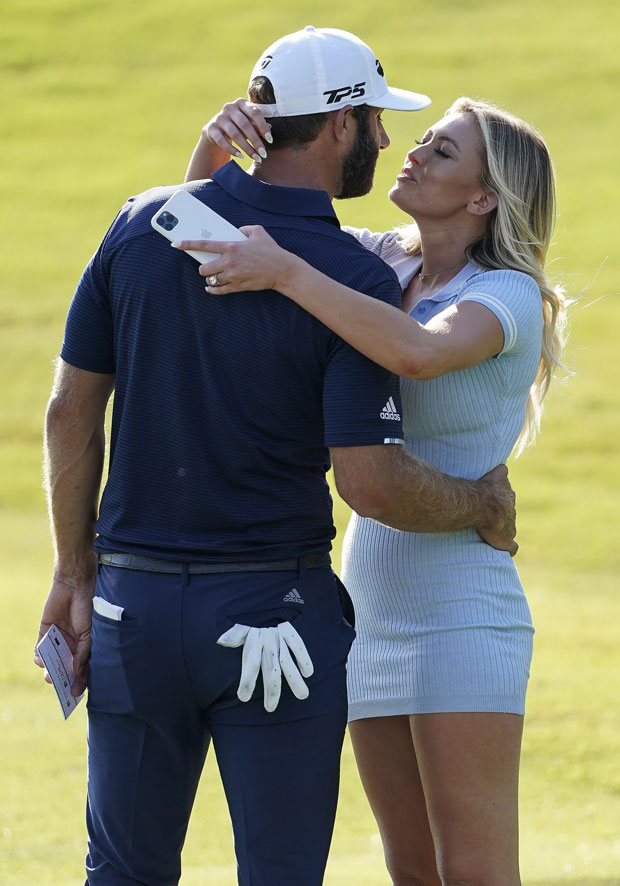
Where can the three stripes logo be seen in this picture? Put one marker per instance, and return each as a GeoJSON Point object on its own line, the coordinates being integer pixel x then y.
{"type": "Point", "coordinates": [389, 411]}
{"type": "Point", "coordinates": [294, 597]}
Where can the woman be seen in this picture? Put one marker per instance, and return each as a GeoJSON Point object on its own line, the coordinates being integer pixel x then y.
{"type": "Point", "coordinates": [439, 670]}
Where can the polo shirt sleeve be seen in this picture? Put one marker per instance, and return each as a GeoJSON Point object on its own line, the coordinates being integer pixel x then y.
{"type": "Point", "coordinates": [89, 335]}
{"type": "Point", "coordinates": [515, 300]}
{"type": "Point", "coordinates": [361, 400]}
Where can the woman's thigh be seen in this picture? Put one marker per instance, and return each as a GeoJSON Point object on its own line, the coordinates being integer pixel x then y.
{"type": "Point", "coordinates": [469, 770]}
{"type": "Point", "coordinates": [388, 768]}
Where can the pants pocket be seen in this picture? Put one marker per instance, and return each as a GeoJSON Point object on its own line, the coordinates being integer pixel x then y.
{"type": "Point", "coordinates": [346, 603]}
{"type": "Point", "coordinates": [114, 655]}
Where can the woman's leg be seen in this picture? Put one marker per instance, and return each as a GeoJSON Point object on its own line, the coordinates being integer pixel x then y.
{"type": "Point", "coordinates": [386, 760]}
{"type": "Point", "coordinates": [464, 768]}
{"type": "Point", "coordinates": [469, 769]}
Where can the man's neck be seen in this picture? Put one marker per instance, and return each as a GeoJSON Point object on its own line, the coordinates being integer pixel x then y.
{"type": "Point", "coordinates": [290, 168]}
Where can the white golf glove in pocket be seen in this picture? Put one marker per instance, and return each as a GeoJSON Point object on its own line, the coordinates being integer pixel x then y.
{"type": "Point", "coordinates": [269, 650]}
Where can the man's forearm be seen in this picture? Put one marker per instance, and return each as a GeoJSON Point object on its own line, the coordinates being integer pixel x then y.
{"type": "Point", "coordinates": [74, 455]}
{"type": "Point", "coordinates": [420, 498]}
{"type": "Point", "coordinates": [73, 478]}
{"type": "Point", "coordinates": [409, 494]}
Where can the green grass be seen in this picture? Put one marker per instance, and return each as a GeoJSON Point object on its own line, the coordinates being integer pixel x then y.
{"type": "Point", "coordinates": [101, 100]}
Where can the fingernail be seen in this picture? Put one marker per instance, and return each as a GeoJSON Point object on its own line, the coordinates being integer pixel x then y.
{"type": "Point", "coordinates": [268, 137]}
{"type": "Point", "coordinates": [256, 158]}
{"type": "Point", "coordinates": [263, 153]}
{"type": "Point", "coordinates": [176, 245]}
{"type": "Point", "coordinates": [239, 154]}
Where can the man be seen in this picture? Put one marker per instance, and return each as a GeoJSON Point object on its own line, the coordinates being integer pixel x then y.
{"type": "Point", "coordinates": [215, 523]}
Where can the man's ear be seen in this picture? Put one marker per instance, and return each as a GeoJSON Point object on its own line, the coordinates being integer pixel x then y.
{"type": "Point", "coordinates": [343, 124]}
{"type": "Point", "coordinates": [485, 202]}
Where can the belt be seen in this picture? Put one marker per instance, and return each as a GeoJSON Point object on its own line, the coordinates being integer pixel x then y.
{"type": "Point", "coordinates": [150, 564]}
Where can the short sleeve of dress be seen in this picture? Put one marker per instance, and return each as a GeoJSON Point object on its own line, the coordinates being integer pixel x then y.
{"type": "Point", "coordinates": [515, 300]}
{"type": "Point", "coordinates": [378, 242]}
{"type": "Point", "coordinates": [388, 247]}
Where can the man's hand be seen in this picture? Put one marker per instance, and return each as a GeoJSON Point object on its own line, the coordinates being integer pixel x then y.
{"type": "Point", "coordinates": [500, 528]}
{"type": "Point", "coordinates": [69, 606]}
{"type": "Point", "coordinates": [269, 650]}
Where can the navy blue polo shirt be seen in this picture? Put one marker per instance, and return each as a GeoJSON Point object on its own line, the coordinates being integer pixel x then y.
{"type": "Point", "coordinates": [224, 407]}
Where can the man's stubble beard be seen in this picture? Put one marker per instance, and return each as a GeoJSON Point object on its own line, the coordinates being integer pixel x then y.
{"type": "Point", "coordinates": [358, 169]}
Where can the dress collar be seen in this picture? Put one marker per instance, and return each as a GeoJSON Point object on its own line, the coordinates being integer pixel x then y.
{"type": "Point", "coordinates": [450, 289]}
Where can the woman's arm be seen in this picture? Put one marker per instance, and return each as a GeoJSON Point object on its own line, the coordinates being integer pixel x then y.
{"type": "Point", "coordinates": [461, 336]}
{"type": "Point", "coordinates": [238, 123]}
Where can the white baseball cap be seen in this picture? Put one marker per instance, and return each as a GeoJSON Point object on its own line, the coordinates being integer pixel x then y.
{"type": "Point", "coordinates": [324, 69]}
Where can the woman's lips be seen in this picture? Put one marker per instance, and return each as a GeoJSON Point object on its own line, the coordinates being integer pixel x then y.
{"type": "Point", "coordinates": [406, 173]}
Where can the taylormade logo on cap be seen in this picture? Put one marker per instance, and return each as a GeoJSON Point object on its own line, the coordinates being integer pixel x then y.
{"type": "Point", "coordinates": [324, 69]}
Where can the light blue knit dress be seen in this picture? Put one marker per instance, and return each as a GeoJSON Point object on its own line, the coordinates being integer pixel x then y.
{"type": "Point", "coordinates": [442, 620]}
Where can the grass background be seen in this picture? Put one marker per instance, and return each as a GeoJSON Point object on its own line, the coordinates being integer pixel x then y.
{"type": "Point", "coordinates": [101, 100]}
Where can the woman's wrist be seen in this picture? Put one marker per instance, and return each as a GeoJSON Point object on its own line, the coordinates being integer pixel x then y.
{"type": "Point", "coordinates": [290, 275]}
{"type": "Point", "coordinates": [204, 141]}
{"type": "Point", "coordinates": [207, 157]}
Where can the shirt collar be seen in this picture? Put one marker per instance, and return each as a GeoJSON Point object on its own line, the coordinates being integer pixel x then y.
{"type": "Point", "coordinates": [453, 286]}
{"type": "Point", "coordinates": [274, 198]}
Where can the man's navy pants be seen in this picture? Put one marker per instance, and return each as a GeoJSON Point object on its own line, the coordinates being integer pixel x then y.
{"type": "Point", "coordinates": [161, 689]}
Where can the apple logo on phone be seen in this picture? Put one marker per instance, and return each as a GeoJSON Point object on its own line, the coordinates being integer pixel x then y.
{"type": "Point", "coordinates": [206, 234]}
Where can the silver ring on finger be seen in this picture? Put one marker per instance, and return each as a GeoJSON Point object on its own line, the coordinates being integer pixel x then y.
{"type": "Point", "coordinates": [212, 280]}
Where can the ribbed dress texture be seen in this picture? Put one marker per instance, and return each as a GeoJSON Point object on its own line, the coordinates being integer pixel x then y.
{"type": "Point", "coordinates": [443, 623]}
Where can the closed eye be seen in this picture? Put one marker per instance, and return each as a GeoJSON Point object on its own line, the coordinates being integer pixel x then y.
{"type": "Point", "coordinates": [439, 151]}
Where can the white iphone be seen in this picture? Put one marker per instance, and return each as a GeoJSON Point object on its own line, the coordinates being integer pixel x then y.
{"type": "Point", "coordinates": [184, 217]}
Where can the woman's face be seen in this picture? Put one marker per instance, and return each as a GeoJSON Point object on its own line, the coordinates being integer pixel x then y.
{"type": "Point", "coordinates": [441, 175]}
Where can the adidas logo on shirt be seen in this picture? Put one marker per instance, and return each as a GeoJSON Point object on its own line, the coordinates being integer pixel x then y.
{"type": "Point", "coordinates": [389, 411]}
{"type": "Point", "coordinates": [294, 597]}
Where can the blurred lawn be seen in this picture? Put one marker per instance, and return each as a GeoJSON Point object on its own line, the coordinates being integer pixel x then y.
{"type": "Point", "coordinates": [102, 100]}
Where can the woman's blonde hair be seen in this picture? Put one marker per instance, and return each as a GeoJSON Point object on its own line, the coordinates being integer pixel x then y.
{"type": "Point", "coordinates": [517, 168]}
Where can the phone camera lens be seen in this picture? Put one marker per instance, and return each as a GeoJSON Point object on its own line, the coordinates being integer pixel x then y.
{"type": "Point", "coordinates": [168, 221]}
